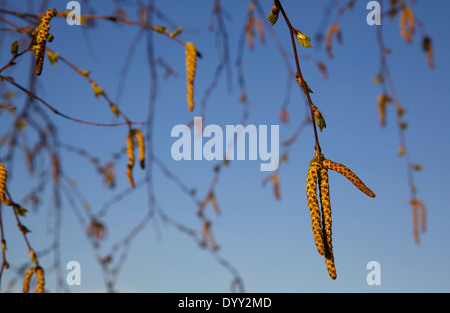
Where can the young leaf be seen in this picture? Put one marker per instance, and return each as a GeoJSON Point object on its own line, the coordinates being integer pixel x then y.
{"type": "Point", "coordinates": [20, 211]}
{"type": "Point", "coordinates": [273, 15]}
{"type": "Point", "coordinates": [52, 57]}
{"type": "Point", "coordinates": [115, 110]}
{"type": "Point", "coordinates": [33, 257]}
{"type": "Point", "coordinates": [98, 91]}
{"type": "Point", "coordinates": [160, 29]}
{"type": "Point", "coordinates": [15, 48]}
{"type": "Point", "coordinates": [303, 40]}
{"type": "Point", "coordinates": [299, 80]}
{"type": "Point", "coordinates": [176, 32]}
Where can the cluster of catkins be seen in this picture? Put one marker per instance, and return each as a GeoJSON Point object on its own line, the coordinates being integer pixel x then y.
{"type": "Point", "coordinates": [321, 214]}
{"type": "Point", "coordinates": [40, 279]}
{"type": "Point", "coordinates": [132, 135]}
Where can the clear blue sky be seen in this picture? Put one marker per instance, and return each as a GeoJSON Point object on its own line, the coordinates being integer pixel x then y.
{"type": "Point", "coordinates": [268, 241]}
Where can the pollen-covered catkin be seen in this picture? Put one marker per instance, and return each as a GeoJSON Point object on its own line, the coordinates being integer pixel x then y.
{"type": "Point", "coordinates": [342, 169]}
{"type": "Point", "coordinates": [41, 39]}
{"type": "Point", "coordinates": [131, 158]}
{"type": "Point", "coordinates": [326, 209]}
{"type": "Point", "coordinates": [191, 67]}
{"type": "Point", "coordinates": [313, 204]}
{"type": "Point", "coordinates": [40, 279]}
{"type": "Point", "coordinates": [3, 178]}
{"type": "Point", "coordinates": [407, 24]}
{"type": "Point", "coordinates": [26, 279]}
{"type": "Point", "coordinates": [141, 146]}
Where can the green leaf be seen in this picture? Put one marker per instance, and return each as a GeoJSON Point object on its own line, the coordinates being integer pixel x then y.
{"type": "Point", "coordinates": [15, 48]}
{"type": "Point", "coordinates": [403, 125]}
{"type": "Point", "coordinates": [115, 110]}
{"type": "Point", "coordinates": [98, 91]}
{"type": "Point", "coordinates": [85, 73]}
{"type": "Point", "coordinates": [20, 211]}
{"type": "Point", "coordinates": [33, 257]}
{"type": "Point", "coordinates": [53, 57]}
{"type": "Point", "coordinates": [378, 79]}
{"type": "Point", "coordinates": [303, 40]}
{"type": "Point", "coordinates": [21, 123]}
{"type": "Point", "coordinates": [299, 80]}
{"type": "Point", "coordinates": [176, 32]}
{"type": "Point", "coordinates": [23, 229]}
{"type": "Point", "coordinates": [273, 15]}
{"type": "Point", "coordinates": [321, 123]}
{"type": "Point", "coordinates": [417, 167]}
{"type": "Point", "coordinates": [160, 29]}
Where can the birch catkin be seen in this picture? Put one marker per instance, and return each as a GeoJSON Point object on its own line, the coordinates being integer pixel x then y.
{"type": "Point", "coordinates": [135, 135]}
{"type": "Point", "coordinates": [3, 178]}
{"type": "Point", "coordinates": [131, 158]}
{"type": "Point", "coordinates": [326, 208]}
{"type": "Point", "coordinates": [41, 40]}
{"type": "Point", "coordinates": [141, 146]}
{"type": "Point", "coordinates": [313, 204]}
{"type": "Point", "coordinates": [342, 169]}
{"type": "Point", "coordinates": [40, 279]}
{"type": "Point", "coordinates": [26, 279]}
{"type": "Point", "coordinates": [191, 67]}
{"type": "Point", "coordinates": [407, 24]}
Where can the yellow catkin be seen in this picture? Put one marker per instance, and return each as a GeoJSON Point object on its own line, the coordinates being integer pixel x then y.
{"type": "Point", "coordinates": [342, 169]}
{"type": "Point", "coordinates": [326, 209]}
{"type": "Point", "coordinates": [131, 158]}
{"type": "Point", "coordinates": [416, 205]}
{"type": "Point", "coordinates": [3, 178]}
{"type": "Point", "coordinates": [407, 24]}
{"type": "Point", "coordinates": [382, 103]}
{"type": "Point", "coordinates": [41, 39]}
{"type": "Point", "coordinates": [191, 67]}
{"type": "Point", "coordinates": [327, 222]}
{"type": "Point", "coordinates": [313, 204]}
{"type": "Point", "coordinates": [40, 279]}
{"type": "Point", "coordinates": [141, 145]}
{"type": "Point", "coordinates": [333, 29]}
{"type": "Point", "coordinates": [26, 279]}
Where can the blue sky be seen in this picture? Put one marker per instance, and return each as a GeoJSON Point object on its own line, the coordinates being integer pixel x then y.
{"type": "Point", "coordinates": [268, 241]}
